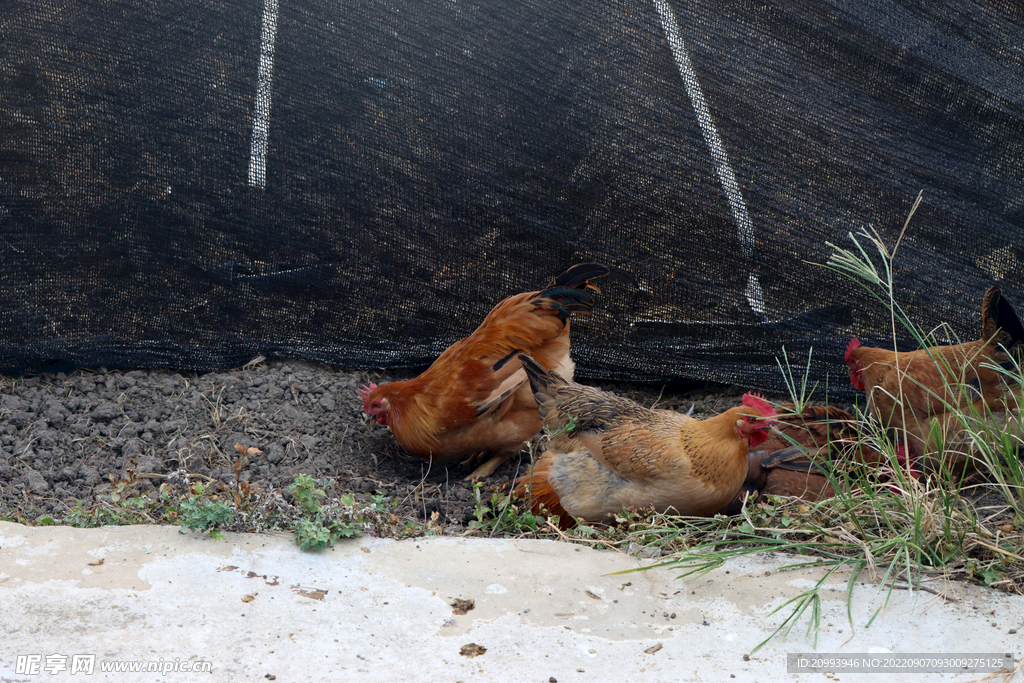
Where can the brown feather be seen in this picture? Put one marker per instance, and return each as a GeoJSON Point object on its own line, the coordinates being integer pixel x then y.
{"type": "Point", "coordinates": [949, 441]}
{"type": "Point", "coordinates": [809, 485]}
{"type": "Point", "coordinates": [812, 427]}
{"type": "Point", "coordinates": [537, 489]}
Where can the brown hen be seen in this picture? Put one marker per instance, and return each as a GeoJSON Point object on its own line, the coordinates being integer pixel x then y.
{"type": "Point", "coordinates": [905, 389]}
{"type": "Point", "coordinates": [607, 453]}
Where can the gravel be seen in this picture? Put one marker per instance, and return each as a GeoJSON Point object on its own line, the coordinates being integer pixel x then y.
{"type": "Point", "coordinates": [67, 437]}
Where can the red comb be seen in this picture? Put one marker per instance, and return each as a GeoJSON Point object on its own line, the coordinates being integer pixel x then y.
{"type": "Point", "coordinates": [903, 457]}
{"type": "Point", "coordinates": [366, 390]}
{"type": "Point", "coordinates": [757, 402]}
{"type": "Point", "coordinates": [854, 344]}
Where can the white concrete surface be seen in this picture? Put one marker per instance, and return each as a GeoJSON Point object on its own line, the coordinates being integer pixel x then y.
{"type": "Point", "coordinates": [256, 607]}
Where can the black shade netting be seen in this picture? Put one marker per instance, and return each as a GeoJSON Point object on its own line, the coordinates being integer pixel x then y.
{"type": "Point", "coordinates": [190, 184]}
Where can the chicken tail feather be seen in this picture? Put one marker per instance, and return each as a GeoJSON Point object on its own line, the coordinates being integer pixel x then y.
{"type": "Point", "coordinates": [580, 275]}
{"type": "Point", "coordinates": [543, 382]}
{"type": "Point", "coordinates": [793, 458]}
{"type": "Point", "coordinates": [566, 301]}
{"type": "Point", "coordinates": [535, 488]}
{"type": "Point", "coordinates": [571, 291]}
{"type": "Point", "coordinates": [997, 314]}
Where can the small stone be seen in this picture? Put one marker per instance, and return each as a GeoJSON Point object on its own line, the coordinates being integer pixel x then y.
{"type": "Point", "coordinates": [104, 412]}
{"type": "Point", "coordinates": [746, 658]}
{"type": "Point", "coordinates": [151, 465]}
{"type": "Point", "coordinates": [472, 650]}
{"type": "Point", "coordinates": [460, 606]}
{"type": "Point", "coordinates": [35, 482]}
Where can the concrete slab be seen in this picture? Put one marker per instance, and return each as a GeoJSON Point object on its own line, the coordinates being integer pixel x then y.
{"type": "Point", "coordinates": [256, 608]}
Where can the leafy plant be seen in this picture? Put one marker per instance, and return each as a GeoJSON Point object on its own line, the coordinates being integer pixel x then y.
{"type": "Point", "coordinates": [800, 396]}
{"type": "Point", "coordinates": [322, 525]}
{"type": "Point", "coordinates": [123, 505]}
{"type": "Point", "coordinates": [503, 514]}
{"type": "Point", "coordinates": [205, 514]}
{"type": "Point", "coordinates": [306, 494]}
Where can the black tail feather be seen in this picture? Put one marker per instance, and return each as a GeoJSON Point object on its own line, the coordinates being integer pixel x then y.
{"type": "Point", "coordinates": [567, 300]}
{"type": "Point", "coordinates": [997, 313]}
{"type": "Point", "coordinates": [793, 458]}
{"type": "Point", "coordinates": [501, 363]}
{"type": "Point", "coordinates": [580, 275]}
{"type": "Point", "coordinates": [570, 291]}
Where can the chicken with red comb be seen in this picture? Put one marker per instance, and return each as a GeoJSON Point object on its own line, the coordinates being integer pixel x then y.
{"type": "Point", "coordinates": [607, 453]}
{"type": "Point", "coordinates": [907, 389]}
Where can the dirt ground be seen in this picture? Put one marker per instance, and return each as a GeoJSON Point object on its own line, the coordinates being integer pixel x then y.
{"type": "Point", "coordinates": [67, 437]}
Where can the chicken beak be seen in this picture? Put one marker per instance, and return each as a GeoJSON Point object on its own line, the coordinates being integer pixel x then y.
{"type": "Point", "coordinates": [371, 420]}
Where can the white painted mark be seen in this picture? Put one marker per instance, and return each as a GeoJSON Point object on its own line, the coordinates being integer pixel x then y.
{"type": "Point", "coordinates": [755, 297]}
{"type": "Point", "coordinates": [745, 227]}
{"type": "Point", "coordinates": [261, 112]}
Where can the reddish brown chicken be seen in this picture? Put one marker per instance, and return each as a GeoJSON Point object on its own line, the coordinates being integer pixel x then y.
{"type": "Point", "coordinates": [607, 453]}
{"type": "Point", "coordinates": [784, 464]}
{"type": "Point", "coordinates": [935, 380]}
{"type": "Point", "coordinates": [790, 461]}
{"type": "Point", "coordinates": [474, 399]}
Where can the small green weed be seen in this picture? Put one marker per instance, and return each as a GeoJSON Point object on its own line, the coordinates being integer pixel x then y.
{"type": "Point", "coordinates": [503, 514]}
{"type": "Point", "coordinates": [322, 525]}
{"type": "Point", "coordinates": [122, 506]}
{"type": "Point", "coordinates": [205, 515]}
{"type": "Point", "coordinates": [316, 521]}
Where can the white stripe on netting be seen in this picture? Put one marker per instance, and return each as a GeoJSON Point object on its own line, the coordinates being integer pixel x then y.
{"type": "Point", "coordinates": [755, 297]}
{"type": "Point", "coordinates": [745, 228]}
{"type": "Point", "coordinates": [261, 112]}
